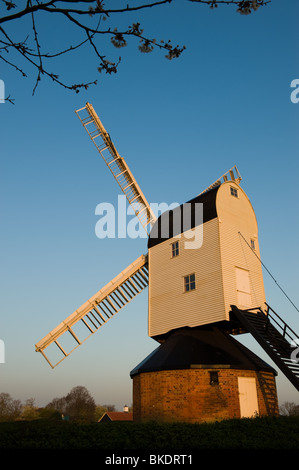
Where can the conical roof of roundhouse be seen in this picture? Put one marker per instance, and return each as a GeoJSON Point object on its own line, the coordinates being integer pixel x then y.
{"type": "Point", "coordinates": [204, 347]}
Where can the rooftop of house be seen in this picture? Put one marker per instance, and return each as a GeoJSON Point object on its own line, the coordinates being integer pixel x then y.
{"type": "Point", "coordinates": [116, 416]}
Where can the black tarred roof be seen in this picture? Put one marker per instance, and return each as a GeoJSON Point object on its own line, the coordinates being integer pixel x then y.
{"type": "Point", "coordinates": [166, 226]}
{"type": "Point", "coordinates": [200, 347]}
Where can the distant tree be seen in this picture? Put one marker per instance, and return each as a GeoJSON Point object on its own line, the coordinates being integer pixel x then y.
{"type": "Point", "coordinates": [49, 414]}
{"type": "Point", "coordinates": [58, 404]}
{"type": "Point", "coordinates": [29, 411]}
{"type": "Point", "coordinates": [10, 409]}
{"type": "Point", "coordinates": [102, 409]}
{"type": "Point", "coordinates": [80, 404]}
{"type": "Point", "coordinates": [92, 20]}
{"type": "Point", "coordinates": [289, 409]}
{"type": "Point", "coordinates": [109, 407]}
{"type": "Point", "coordinates": [99, 411]}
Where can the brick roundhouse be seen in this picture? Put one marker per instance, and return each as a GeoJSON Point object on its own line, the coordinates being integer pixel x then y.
{"type": "Point", "coordinates": [197, 375]}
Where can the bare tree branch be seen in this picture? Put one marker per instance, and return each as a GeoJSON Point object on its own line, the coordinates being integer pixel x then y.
{"type": "Point", "coordinates": [98, 8]}
{"type": "Point", "coordinates": [74, 11]}
{"type": "Point", "coordinates": [53, 76]}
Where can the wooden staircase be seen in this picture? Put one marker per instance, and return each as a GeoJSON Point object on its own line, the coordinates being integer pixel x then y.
{"type": "Point", "coordinates": [276, 338]}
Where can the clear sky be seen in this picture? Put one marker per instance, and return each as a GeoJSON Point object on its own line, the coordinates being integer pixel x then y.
{"type": "Point", "coordinates": [180, 125]}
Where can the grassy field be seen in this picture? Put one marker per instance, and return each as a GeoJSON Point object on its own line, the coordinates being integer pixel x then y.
{"type": "Point", "coordinates": [280, 433]}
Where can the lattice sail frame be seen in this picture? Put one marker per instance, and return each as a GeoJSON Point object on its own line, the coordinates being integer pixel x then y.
{"type": "Point", "coordinates": [94, 313]}
{"type": "Point", "coordinates": [117, 165]}
{"type": "Point", "coordinates": [232, 174]}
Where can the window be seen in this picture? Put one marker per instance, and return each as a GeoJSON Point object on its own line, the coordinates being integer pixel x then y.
{"type": "Point", "coordinates": [233, 192]}
{"type": "Point", "coordinates": [214, 380]}
{"type": "Point", "coordinates": [175, 249]}
{"type": "Point", "coordinates": [189, 282]}
{"type": "Point", "coordinates": [252, 244]}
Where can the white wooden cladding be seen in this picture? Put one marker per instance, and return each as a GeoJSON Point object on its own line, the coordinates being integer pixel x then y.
{"type": "Point", "coordinates": [169, 306]}
{"type": "Point", "coordinates": [236, 216]}
{"type": "Point", "coordinates": [215, 265]}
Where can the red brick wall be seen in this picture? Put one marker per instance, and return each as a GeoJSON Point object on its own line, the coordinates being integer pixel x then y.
{"type": "Point", "coordinates": [186, 395]}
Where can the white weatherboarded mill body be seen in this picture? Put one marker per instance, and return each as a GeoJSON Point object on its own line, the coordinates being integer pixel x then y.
{"type": "Point", "coordinates": [192, 285]}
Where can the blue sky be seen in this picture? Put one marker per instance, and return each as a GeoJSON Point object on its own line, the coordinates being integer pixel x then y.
{"type": "Point", "coordinates": [180, 125]}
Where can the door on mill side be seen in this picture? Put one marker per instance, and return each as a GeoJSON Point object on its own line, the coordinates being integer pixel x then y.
{"type": "Point", "coordinates": [248, 397]}
{"type": "Point", "coordinates": [243, 288]}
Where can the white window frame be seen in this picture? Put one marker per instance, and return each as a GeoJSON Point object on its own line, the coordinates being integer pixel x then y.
{"type": "Point", "coordinates": [175, 249]}
{"type": "Point", "coordinates": [189, 285]}
{"type": "Point", "coordinates": [234, 192]}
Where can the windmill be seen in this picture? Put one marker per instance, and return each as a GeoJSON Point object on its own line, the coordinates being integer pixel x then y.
{"type": "Point", "coordinates": [203, 270]}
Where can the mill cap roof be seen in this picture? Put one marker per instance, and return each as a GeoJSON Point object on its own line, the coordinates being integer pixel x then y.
{"type": "Point", "coordinates": [166, 226]}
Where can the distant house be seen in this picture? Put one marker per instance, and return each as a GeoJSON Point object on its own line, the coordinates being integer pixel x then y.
{"type": "Point", "coordinates": [116, 416]}
{"type": "Point", "coordinates": [124, 415]}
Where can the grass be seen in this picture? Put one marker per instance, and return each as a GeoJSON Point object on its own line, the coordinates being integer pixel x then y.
{"type": "Point", "coordinates": [259, 433]}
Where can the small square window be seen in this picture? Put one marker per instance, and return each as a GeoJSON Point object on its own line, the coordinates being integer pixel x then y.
{"type": "Point", "coordinates": [233, 192]}
{"type": "Point", "coordinates": [214, 380]}
{"type": "Point", "coordinates": [189, 282]}
{"type": "Point", "coordinates": [175, 249]}
{"type": "Point", "coordinates": [252, 244]}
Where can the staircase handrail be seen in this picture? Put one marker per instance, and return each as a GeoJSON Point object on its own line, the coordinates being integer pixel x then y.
{"type": "Point", "coordinates": [284, 327]}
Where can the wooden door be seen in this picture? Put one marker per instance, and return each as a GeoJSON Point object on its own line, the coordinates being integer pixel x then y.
{"type": "Point", "coordinates": [248, 397]}
{"type": "Point", "coordinates": [243, 288]}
